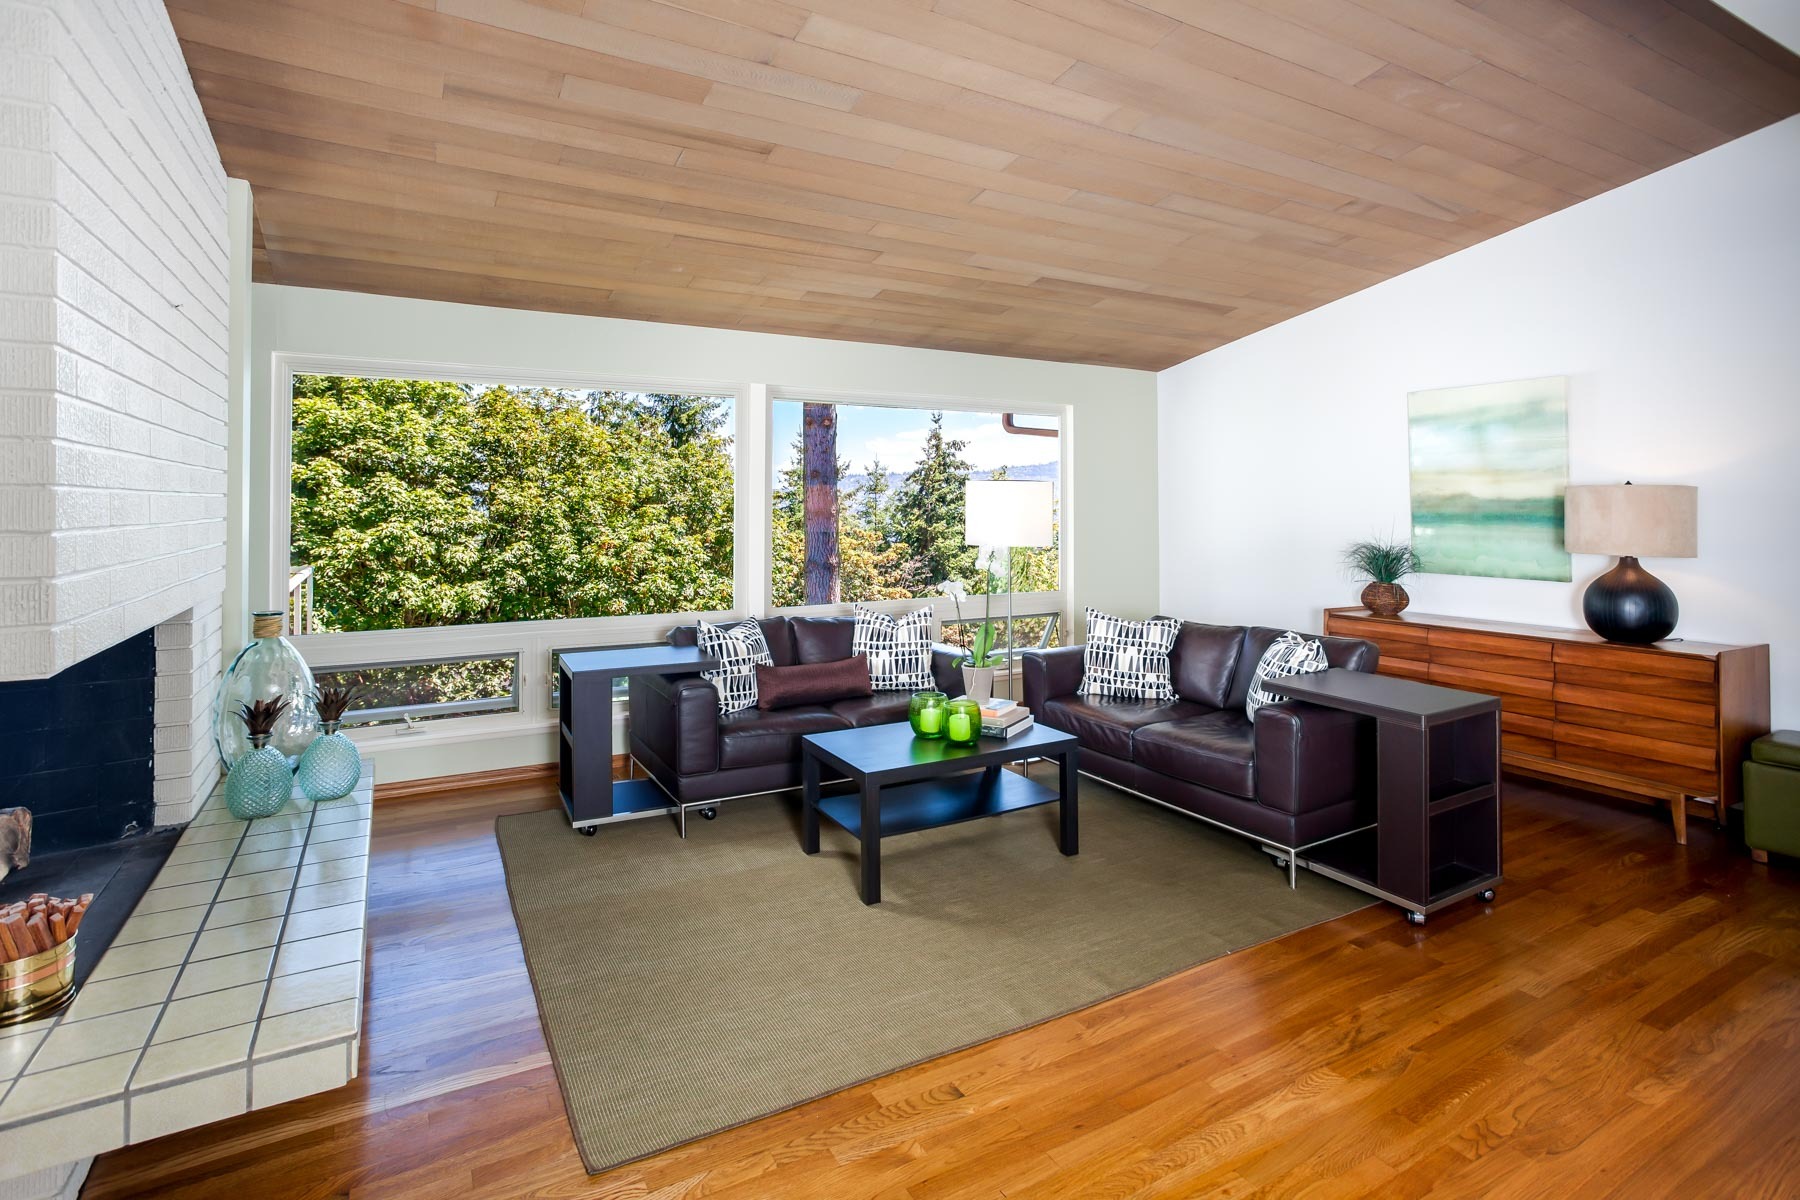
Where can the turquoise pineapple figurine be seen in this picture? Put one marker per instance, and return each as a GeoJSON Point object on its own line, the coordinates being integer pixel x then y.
{"type": "Point", "coordinates": [331, 766]}
{"type": "Point", "coordinates": [261, 780]}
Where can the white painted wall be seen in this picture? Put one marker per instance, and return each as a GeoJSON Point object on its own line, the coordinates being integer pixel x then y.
{"type": "Point", "coordinates": [1673, 304]}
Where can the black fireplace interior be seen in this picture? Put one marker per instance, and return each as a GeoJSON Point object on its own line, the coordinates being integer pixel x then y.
{"type": "Point", "coordinates": [77, 748]}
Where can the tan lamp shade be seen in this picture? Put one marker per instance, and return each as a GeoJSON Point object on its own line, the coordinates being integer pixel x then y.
{"type": "Point", "coordinates": [1639, 520]}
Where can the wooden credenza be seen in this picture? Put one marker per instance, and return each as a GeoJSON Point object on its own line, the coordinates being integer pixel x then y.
{"type": "Point", "coordinates": [1671, 721]}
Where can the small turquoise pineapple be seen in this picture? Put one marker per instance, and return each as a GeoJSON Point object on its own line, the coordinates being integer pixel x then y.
{"type": "Point", "coordinates": [330, 767]}
{"type": "Point", "coordinates": [261, 780]}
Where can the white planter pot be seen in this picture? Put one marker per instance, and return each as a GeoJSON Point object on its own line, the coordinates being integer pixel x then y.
{"type": "Point", "coordinates": [978, 683]}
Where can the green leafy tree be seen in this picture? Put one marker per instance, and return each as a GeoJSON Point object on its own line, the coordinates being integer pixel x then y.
{"type": "Point", "coordinates": [427, 503]}
{"type": "Point", "coordinates": [928, 514]}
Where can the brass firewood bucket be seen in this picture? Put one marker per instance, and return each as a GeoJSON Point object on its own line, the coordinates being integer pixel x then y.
{"type": "Point", "coordinates": [38, 985]}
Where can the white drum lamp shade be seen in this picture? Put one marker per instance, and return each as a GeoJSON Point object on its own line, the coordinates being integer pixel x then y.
{"type": "Point", "coordinates": [1642, 520]}
{"type": "Point", "coordinates": [1008, 512]}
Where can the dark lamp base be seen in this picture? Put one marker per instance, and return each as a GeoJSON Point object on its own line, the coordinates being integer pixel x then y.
{"type": "Point", "coordinates": [1629, 604]}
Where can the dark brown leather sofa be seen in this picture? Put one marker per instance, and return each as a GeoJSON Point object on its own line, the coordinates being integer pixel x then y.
{"type": "Point", "coordinates": [697, 755]}
{"type": "Point", "coordinates": [1299, 774]}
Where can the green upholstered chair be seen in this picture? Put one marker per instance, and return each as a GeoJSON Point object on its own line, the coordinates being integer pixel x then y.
{"type": "Point", "coordinates": [1772, 795]}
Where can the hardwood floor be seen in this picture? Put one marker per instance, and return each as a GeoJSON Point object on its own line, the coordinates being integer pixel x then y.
{"type": "Point", "coordinates": [1624, 1020]}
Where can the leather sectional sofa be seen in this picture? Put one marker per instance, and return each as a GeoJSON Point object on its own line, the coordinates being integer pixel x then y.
{"type": "Point", "coordinates": [678, 735]}
{"type": "Point", "coordinates": [1298, 774]}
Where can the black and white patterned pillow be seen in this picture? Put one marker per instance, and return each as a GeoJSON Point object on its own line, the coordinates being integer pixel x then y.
{"type": "Point", "coordinates": [1128, 659]}
{"type": "Point", "coordinates": [740, 648]}
{"type": "Point", "coordinates": [899, 649]}
{"type": "Point", "coordinates": [1289, 654]}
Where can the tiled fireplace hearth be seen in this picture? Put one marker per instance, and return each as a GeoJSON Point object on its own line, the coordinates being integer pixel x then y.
{"type": "Point", "coordinates": [236, 984]}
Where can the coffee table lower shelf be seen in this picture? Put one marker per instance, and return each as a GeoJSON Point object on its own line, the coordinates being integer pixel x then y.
{"type": "Point", "coordinates": [934, 803]}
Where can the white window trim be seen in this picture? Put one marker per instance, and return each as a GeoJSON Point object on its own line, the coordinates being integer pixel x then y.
{"type": "Point", "coordinates": [534, 641]}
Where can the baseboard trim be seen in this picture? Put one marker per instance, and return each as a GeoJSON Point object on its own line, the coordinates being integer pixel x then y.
{"type": "Point", "coordinates": [499, 777]}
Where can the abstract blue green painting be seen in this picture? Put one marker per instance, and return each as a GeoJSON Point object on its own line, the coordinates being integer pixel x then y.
{"type": "Point", "coordinates": [1490, 464]}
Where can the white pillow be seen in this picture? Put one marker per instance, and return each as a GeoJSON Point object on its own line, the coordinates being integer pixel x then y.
{"type": "Point", "coordinates": [1128, 659]}
{"type": "Point", "coordinates": [1289, 654]}
{"type": "Point", "coordinates": [739, 649]}
{"type": "Point", "coordinates": [899, 649]}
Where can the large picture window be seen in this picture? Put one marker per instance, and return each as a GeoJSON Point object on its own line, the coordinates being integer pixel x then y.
{"type": "Point", "coordinates": [867, 502]}
{"type": "Point", "coordinates": [438, 502]}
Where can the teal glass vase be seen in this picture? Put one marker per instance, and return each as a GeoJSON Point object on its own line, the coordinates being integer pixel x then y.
{"type": "Point", "coordinates": [330, 767]}
{"type": "Point", "coordinates": [269, 668]}
{"type": "Point", "coordinates": [260, 782]}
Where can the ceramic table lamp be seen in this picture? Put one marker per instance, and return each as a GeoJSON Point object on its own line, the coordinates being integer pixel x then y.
{"type": "Point", "coordinates": [1648, 520]}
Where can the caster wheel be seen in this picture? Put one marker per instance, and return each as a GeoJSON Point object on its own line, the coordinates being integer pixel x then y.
{"type": "Point", "coordinates": [711, 814]}
{"type": "Point", "coordinates": [1415, 918]}
{"type": "Point", "coordinates": [588, 830]}
{"type": "Point", "coordinates": [1281, 864]}
{"type": "Point", "coordinates": [1487, 897]}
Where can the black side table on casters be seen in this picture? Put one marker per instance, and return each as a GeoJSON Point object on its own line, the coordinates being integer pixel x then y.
{"type": "Point", "coordinates": [584, 726]}
{"type": "Point", "coordinates": [1436, 839]}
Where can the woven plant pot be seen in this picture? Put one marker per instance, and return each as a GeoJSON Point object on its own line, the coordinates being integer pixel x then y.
{"type": "Point", "coordinates": [1385, 599]}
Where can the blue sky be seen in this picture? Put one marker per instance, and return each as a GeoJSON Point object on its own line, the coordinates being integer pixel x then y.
{"type": "Point", "coordinates": [895, 435]}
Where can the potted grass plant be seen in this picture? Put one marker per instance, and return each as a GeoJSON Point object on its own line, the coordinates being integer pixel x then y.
{"type": "Point", "coordinates": [1384, 565]}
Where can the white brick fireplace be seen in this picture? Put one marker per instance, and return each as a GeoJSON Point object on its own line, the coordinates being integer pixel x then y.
{"type": "Point", "coordinates": [113, 363]}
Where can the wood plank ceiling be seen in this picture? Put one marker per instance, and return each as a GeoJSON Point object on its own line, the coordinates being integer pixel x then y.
{"type": "Point", "coordinates": [1082, 180]}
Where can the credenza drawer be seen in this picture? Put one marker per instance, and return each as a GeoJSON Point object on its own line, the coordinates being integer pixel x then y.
{"type": "Point", "coordinates": [1632, 702]}
{"type": "Point", "coordinates": [1693, 691]}
{"type": "Point", "coordinates": [1376, 630]}
{"type": "Point", "coordinates": [1491, 682]}
{"type": "Point", "coordinates": [1504, 645]}
{"type": "Point", "coordinates": [1405, 668]}
{"type": "Point", "coordinates": [1695, 781]}
{"type": "Point", "coordinates": [1704, 758]}
{"type": "Point", "coordinates": [1639, 662]}
{"type": "Point", "coordinates": [1637, 726]}
{"type": "Point", "coordinates": [1474, 660]}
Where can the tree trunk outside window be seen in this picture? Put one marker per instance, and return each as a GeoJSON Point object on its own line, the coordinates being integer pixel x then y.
{"type": "Point", "coordinates": [819, 427]}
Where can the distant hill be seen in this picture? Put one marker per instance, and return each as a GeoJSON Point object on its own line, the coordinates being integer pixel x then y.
{"type": "Point", "coordinates": [850, 483]}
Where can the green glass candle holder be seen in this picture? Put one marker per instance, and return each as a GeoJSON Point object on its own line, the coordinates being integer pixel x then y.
{"type": "Point", "coordinates": [962, 727]}
{"type": "Point", "coordinates": [928, 713]}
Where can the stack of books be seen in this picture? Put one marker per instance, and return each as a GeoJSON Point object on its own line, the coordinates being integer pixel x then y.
{"type": "Point", "coordinates": [1004, 718]}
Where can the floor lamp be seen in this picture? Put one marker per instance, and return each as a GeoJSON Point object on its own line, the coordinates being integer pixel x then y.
{"type": "Point", "coordinates": [1009, 513]}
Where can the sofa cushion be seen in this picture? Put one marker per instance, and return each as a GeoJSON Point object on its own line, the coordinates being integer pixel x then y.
{"type": "Point", "coordinates": [1289, 654]}
{"type": "Point", "coordinates": [740, 649]}
{"type": "Point", "coordinates": [778, 635]}
{"type": "Point", "coordinates": [812, 683]}
{"type": "Point", "coordinates": [1105, 724]}
{"type": "Point", "coordinates": [899, 648]}
{"type": "Point", "coordinates": [1128, 659]}
{"type": "Point", "coordinates": [1217, 750]}
{"type": "Point", "coordinates": [1204, 660]}
{"type": "Point", "coordinates": [883, 708]}
{"type": "Point", "coordinates": [756, 737]}
{"type": "Point", "coordinates": [1352, 654]}
{"type": "Point", "coordinates": [822, 639]}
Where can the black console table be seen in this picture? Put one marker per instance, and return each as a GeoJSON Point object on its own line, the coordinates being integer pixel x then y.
{"type": "Point", "coordinates": [1436, 839]}
{"type": "Point", "coordinates": [584, 725]}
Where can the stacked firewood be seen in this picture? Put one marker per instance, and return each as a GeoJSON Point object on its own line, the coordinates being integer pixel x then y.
{"type": "Point", "coordinates": [38, 923]}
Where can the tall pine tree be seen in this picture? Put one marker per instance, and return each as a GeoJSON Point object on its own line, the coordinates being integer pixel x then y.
{"type": "Point", "coordinates": [928, 514]}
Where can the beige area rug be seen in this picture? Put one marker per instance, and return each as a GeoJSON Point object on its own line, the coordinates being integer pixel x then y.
{"type": "Point", "coordinates": [689, 986]}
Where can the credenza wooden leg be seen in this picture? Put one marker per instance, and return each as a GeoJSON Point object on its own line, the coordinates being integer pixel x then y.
{"type": "Point", "coordinates": [1678, 810]}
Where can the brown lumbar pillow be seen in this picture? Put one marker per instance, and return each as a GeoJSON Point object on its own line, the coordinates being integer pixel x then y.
{"type": "Point", "coordinates": [813, 683]}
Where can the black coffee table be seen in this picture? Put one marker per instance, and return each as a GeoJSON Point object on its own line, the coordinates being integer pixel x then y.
{"type": "Point", "coordinates": [906, 784]}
